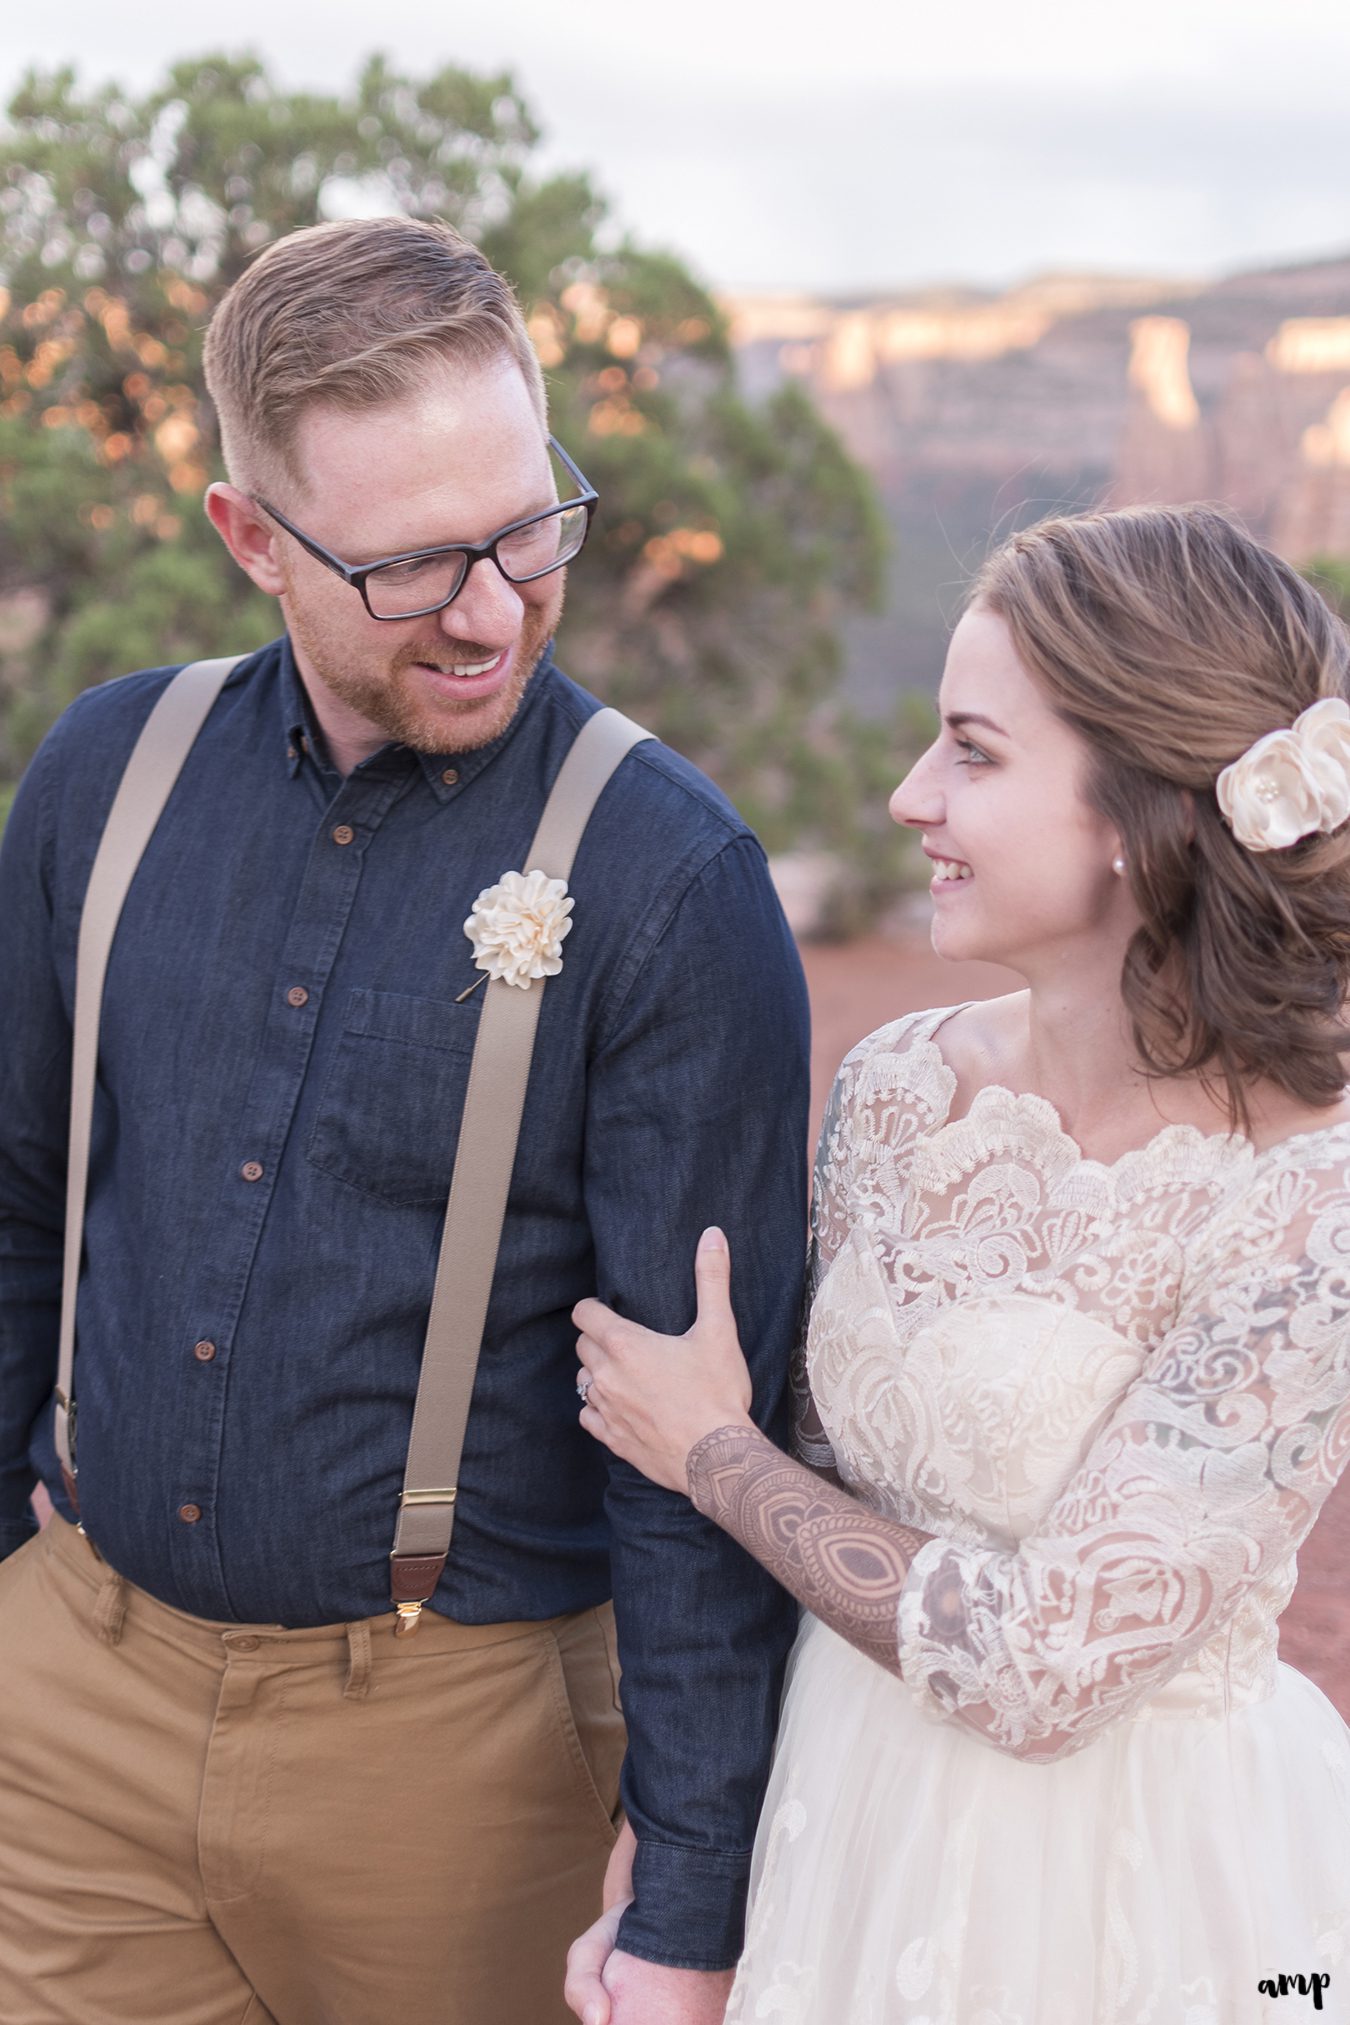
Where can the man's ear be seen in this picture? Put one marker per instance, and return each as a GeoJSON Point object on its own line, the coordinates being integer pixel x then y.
{"type": "Point", "coordinates": [248, 534]}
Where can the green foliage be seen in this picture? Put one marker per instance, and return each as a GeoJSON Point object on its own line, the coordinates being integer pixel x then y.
{"type": "Point", "coordinates": [731, 541]}
{"type": "Point", "coordinates": [1331, 576]}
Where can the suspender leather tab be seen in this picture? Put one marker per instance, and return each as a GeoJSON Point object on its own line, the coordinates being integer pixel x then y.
{"type": "Point", "coordinates": [412, 1581]}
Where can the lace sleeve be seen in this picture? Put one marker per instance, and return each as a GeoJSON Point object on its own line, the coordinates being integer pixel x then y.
{"type": "Point", "coordinates": [829, 1226]}
{"type": "Point", "coordinates": [1204, 1482]}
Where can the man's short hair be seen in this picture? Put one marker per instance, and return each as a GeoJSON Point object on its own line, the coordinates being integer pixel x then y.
{"type": "Point", "coordinates": [352, 314]}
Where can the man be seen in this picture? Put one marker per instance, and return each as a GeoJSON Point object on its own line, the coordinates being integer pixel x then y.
{"type": "Point", "coordinates": [226, 1791]}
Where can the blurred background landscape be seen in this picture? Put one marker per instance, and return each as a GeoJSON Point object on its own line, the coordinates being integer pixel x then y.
{"type": "Point", "coordinates": [824, 316]}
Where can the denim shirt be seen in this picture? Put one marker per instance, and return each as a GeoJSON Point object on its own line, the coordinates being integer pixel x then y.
{"type": "Point", "coordinates": [282, 1068]}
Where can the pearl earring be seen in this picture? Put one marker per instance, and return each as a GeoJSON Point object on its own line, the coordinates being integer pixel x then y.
{"type": "Point", "coordinates": [1118, 865]}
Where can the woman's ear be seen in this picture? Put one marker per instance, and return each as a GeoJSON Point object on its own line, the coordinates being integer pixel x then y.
{"type": "Point", "coordinates": [1188, 814]}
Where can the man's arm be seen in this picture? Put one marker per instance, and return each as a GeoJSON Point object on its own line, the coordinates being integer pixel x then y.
{"type": "Point", "coordinates": [34, 1115]}
{"type": "Point", "coordinates": [697, 1112]}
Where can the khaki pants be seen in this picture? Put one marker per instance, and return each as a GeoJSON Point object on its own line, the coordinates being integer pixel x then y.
{"type": "Point", "coordinates": [205, 1825]}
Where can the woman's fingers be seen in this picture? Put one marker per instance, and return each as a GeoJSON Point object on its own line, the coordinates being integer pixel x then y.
{"type": "Point", "coordinates": [592, 1317]}
{"type": "Point", "coordinates": [608, 1334]}
{"type": "Point", "coordinates": [593, 1360]}
{"type": "Point", "coordinates": [712, 1278]}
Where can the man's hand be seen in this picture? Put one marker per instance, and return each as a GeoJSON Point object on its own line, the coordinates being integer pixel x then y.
{"type": "Point", "coordinates": [646, 1993]}
{"type": "Point", "coordinates": [607, 1987]}
{"type": "Point", "coordinates": [584, 1992]}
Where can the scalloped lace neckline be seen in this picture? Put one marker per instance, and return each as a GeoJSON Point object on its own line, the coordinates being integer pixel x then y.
{"type": "Point", "coordinates": [1029, 1104]}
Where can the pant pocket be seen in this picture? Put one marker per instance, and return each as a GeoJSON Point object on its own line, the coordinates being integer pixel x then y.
{"type": "Point", "coordinates": [584, 1671]}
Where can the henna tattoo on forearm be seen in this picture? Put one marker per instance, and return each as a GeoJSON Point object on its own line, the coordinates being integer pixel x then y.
{"type": "Point", "coordinates": [846, 1564]}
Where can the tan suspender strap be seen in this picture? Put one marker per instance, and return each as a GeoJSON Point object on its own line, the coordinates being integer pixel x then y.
{"type": "Point", "coordinates": [484, 1158]}
{"type": "Point", "coordinates": [489, 1130]}
{"type": "Point", "coordinates": [155, 764]}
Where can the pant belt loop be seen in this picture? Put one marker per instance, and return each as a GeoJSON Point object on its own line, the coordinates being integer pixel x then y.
{"type": "Point", "coordinates": [110, 1608]}
{"type": "Point", "coordinates": [358, 1668]}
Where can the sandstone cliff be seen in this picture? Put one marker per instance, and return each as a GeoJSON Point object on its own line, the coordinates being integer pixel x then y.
{"type": "Point", "coordinates": [978, 413]}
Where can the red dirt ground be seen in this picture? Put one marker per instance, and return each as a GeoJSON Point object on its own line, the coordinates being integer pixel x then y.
{"type": "Point", "coordinates": [858, 986]}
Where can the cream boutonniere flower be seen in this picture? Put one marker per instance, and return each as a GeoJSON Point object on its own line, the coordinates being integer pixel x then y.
{"type": "Point", "coordinates": [517, 927]}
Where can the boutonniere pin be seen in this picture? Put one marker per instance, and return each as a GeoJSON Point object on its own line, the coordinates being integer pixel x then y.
{"type": "Point", "coordinates": [517, 929]}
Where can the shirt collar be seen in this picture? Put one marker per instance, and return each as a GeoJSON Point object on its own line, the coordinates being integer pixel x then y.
{"type": "Point", "coordinates": [446, 773]}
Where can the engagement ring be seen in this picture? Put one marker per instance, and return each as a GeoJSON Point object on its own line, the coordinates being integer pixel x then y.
{"type": "Point", "coordinates": [583, 1386]}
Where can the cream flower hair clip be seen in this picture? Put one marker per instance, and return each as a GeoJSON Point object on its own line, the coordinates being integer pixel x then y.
{"type": "Point", "coordinates": [517, 928]}
{"type": "Point", "coordinates": [1291, 784]}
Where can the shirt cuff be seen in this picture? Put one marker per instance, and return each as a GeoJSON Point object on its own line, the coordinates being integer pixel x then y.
{"type": "Point", "coordinates": [688, 1909]}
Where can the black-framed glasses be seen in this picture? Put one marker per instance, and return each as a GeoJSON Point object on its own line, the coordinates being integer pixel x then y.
{"type": "Point", "coordinates": [423, 580]}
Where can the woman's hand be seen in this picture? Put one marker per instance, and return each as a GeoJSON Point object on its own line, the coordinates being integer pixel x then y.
{"type": "Point", "coordinates": [650, 1398]}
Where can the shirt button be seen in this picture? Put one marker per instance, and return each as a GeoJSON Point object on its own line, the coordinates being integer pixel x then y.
{"type": "Point", "coordinates": [203, 1352]}
{"type": "Point", "coordinates": [297, 995]}
{"type": "Point", "coordinates": [450, 776]}
{"type": "Point", "coordinates": [343, 834]}
{"type": "Point", "coordinates": [189, 1514]}
{"type": "Point", "coordinates": [252, 1170]}
{"type": "Point", "coordinates": [247, 1644]}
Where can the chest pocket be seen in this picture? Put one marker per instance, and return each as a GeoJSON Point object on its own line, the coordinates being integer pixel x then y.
{"type": "Point", "coordinates": [388, 1119]}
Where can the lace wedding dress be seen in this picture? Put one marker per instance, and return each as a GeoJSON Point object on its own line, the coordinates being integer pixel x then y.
{"type": "Point", "coordinates": [1117, 1396]}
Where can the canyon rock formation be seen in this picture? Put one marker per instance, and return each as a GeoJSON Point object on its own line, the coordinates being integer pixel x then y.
{"type": "Point", "coordinates": [978, 413]}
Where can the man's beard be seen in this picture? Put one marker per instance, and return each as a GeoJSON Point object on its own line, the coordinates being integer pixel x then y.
{"type": "Point", "coordinates": [395, 700]}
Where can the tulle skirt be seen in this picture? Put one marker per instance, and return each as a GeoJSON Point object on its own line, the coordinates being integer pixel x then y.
{"type": "Point", "coordinates": [908, 1873]}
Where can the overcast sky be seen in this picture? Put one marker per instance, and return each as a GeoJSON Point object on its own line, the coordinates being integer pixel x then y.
{"type": "Point", "coordinates": [856, 146]}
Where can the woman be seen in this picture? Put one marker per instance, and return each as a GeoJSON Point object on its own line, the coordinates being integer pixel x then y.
{"type": "Point", "coordinates": [1078, 1351]}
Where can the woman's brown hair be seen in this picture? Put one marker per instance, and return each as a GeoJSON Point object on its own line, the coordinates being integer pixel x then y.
{"type": "Point", "coordinates": [1171, 641]}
